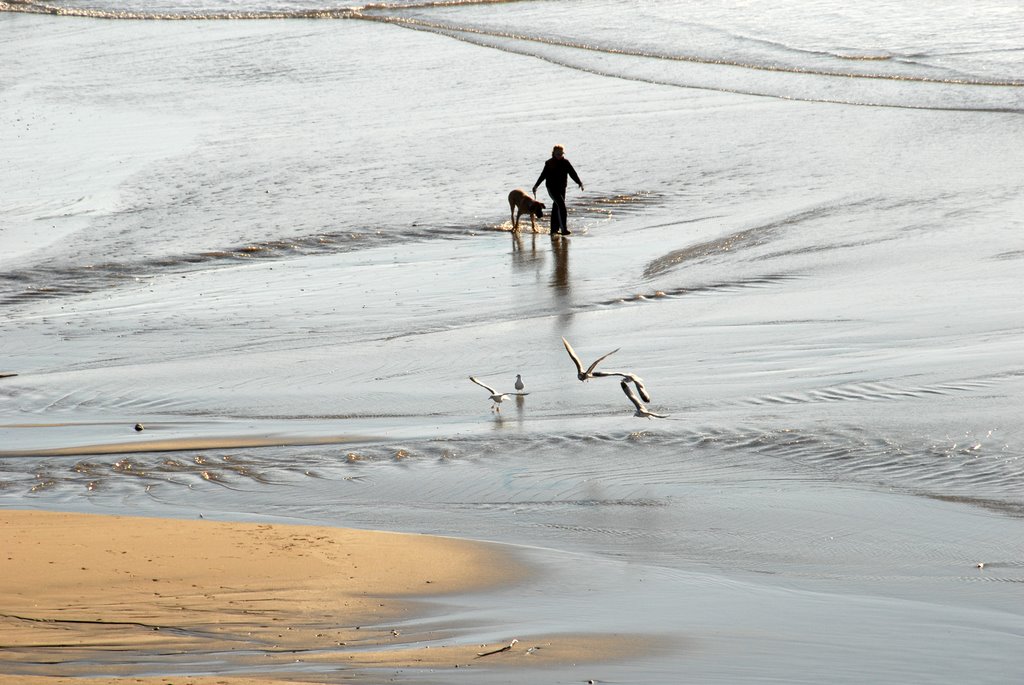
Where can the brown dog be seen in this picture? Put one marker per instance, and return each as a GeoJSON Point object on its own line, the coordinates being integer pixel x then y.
{"type": "Point", "coordinates": [519, 200]}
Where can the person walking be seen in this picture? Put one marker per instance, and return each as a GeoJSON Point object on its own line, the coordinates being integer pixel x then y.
{"type": "Point", "coordinates": [555, 175]}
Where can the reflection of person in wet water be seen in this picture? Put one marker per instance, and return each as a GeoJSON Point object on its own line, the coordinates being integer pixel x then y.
{"type": "Point", "coordinates": [560, 278]}
{"type": "Point", "coordinates": [555, 175]}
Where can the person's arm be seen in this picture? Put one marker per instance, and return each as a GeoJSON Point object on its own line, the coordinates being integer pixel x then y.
{"type": "Point", "coordinates": [543, 175]}
{"type": "Point", "coordinates": [572, 174]}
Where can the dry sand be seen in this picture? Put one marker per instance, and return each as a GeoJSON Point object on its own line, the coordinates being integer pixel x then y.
{"type": "Point", "coordinates": [89, 595]}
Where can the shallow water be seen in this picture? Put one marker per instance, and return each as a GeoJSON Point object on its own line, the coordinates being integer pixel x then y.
{"type": "Point", "coordinates": [283, 246]}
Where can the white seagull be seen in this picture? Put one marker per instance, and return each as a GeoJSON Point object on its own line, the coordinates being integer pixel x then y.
{"type": "Point", "coordinates": [496, 397]}
{"type": "Point", "coordinates": [589, 373]}
{"type": "Point", "coordinates": [519, 383]}
{"type": "Point", "coordinates": [641, 410]}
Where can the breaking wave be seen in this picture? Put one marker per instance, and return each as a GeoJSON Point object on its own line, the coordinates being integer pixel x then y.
{"type": "Point", "coordinates": [743, 64]}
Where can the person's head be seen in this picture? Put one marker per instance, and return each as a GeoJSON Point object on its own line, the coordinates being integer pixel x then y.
{"type": "Point", "coordinates": [558, 151]}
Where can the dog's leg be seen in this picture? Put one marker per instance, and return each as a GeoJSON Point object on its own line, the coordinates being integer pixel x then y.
{"type": "Point", "coordinates": [515, 219]}
{"type": "Point", "coordinates": [533, 223]}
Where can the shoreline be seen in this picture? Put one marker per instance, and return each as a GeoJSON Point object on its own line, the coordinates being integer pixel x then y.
{"type": "Point", "coordinates": [93, 595]}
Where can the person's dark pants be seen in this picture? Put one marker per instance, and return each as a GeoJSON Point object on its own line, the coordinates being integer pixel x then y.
{"type": "Point", "coordinates": [559, 216]}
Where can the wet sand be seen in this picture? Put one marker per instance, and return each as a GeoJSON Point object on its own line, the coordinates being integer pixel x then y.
{"type": "Point", "coordinates": [176, 444]}
{"type": "Point", "coordinates": [91, 596]}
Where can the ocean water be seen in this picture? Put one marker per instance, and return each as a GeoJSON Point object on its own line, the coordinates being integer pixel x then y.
{"type": "Point", "coordinates": [276, 234]}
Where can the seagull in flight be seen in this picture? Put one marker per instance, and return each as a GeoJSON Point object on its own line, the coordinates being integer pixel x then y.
{"type": "Point", "coordinates": [589, 373]}
{"type": "Point", "coordinates": [496, 397]}
{"type": "Point", "coordinates": [641, 410]}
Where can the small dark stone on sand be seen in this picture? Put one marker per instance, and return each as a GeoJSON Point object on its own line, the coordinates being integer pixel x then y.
{"type": "Point", "coordinates": [139, 427]}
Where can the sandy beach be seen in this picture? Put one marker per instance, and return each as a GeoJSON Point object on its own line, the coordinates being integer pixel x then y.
{"type": "Point", "coordinates": [86, 595]}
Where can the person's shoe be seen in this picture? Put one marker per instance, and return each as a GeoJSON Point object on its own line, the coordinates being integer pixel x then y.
{"type": "Point", "coordinates": [566, 232]}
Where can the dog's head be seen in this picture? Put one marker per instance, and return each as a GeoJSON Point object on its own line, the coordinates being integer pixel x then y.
{"type": "Point", "coordinates": [538, 209]}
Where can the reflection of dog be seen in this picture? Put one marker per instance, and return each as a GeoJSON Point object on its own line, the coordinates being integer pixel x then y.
{"type": "Point", "coordinates": [519, 200]}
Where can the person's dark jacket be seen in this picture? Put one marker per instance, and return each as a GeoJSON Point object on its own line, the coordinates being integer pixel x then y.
{"type": "Point", "coordinates": [555, 174]}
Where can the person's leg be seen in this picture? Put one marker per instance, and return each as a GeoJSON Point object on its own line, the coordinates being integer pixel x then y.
{"type": "Point", "coordinates": [558, 214]}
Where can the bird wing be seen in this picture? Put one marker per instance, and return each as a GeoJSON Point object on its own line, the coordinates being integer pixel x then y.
{"type": "Point", "coordinates": [572, 355]}
{"type": "Point", "coordinates": [606, 374]}
{"type": "Point", "coordinates": [632, 395]}
{"type": "Point", "coordinates": [599, 359]}
{"type": "Point", "coordinates": [637, 381]}
{"type": "Point", "coordinates": [483, 385]}
{"type": "Point", "coordinates": [641, 388]}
